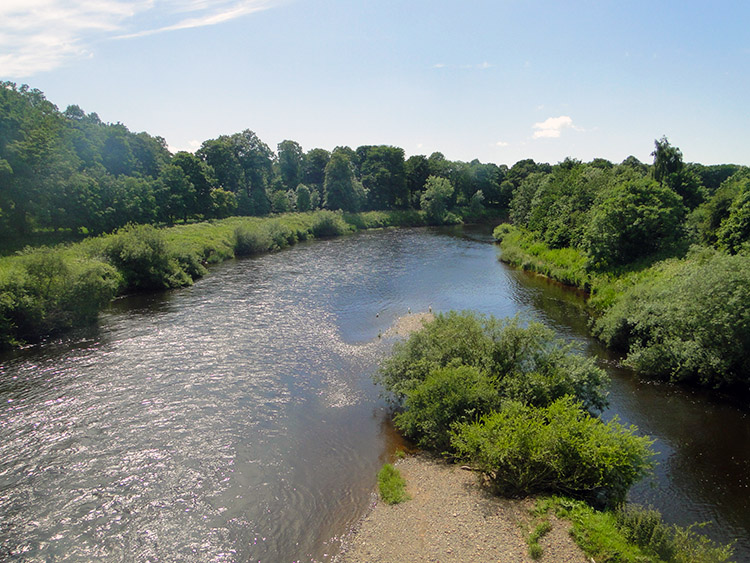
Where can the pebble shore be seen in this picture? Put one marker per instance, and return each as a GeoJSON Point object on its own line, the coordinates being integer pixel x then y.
{"type": "Point", "coordinates": [451, 518]}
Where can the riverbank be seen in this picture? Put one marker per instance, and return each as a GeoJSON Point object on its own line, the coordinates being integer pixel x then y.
{"type": "Point", "coordinates": [450, 518]}
{"type": "Point", "coordinates": [47, 290]}
{"type": "Point", "coordinates": [680, 316]}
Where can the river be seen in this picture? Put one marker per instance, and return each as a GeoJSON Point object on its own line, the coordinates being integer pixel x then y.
{"type": "Point", "coordinates": [236, 420]}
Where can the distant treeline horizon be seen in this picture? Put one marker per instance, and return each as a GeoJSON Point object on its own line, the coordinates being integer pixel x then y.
{"type": "Point", "coordinates": [70, 171]}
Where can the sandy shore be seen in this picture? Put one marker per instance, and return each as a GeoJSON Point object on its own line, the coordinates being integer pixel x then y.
{"type": "Point", "coordinates": [407, 324]}
{"type": "Point", "coordinates": [450, 518]}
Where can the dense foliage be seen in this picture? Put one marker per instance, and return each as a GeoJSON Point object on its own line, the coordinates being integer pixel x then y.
{"type": "Point", "coordinates": [516, 403]}
{"type": "Point", "coordinates": [663, 250]}
{"type": "Point", "coordinates": [526, 363]}
{"type": "Point", "coordinates": [557, 448]}
{"type": "Point", "coordinates": [70, 171]}
{"type": "Point", "coordinates": [690, 322]}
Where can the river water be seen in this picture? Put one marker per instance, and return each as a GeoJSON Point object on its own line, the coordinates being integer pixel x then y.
{"type": "Point", "coordinates": [236, 421]}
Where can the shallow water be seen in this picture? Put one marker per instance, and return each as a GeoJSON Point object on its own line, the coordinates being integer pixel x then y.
{"type": "Point", "coordinates": [236, 421]}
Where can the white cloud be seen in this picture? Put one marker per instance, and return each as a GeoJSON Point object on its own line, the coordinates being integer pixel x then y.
{"type": "Point", "coordinates": [552, 128]}
{"type": "Point", "coordinates": [502, 144]}
{"type": "Point", "coordinates": [40, 35]}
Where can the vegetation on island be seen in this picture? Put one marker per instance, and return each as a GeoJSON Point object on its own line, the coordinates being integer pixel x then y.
{"type": "Point", "coordinates": [520, 407]}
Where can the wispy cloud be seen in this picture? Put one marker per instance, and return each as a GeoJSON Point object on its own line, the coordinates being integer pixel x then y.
{"type": "Point", "coordinates": [480, 66]}
{"type": "Point", "coordinates": [553, 127]}
{"type": "Point", "coordinates": [41, 35]}
{"type": "Point", "coordinates": [502, 144]}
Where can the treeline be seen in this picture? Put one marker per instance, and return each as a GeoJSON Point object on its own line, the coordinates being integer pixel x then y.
{"type": "Point", "coordinates": [664, 250]}
{"type": "Point", "coordinates": [70, 171]}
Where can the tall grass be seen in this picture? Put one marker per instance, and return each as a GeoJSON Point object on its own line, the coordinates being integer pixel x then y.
{"type": "Point", "coordinates": [633, 534]}
{"type": "Point", "coordinates": [391, 485]}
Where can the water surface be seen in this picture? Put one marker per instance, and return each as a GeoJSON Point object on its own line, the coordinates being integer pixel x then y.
{"type": "Point", "coordinates": [236, 420]}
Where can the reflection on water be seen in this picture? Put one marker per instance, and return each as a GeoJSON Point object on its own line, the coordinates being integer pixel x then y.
{"type": "Point", "coordinates": [236, 421]}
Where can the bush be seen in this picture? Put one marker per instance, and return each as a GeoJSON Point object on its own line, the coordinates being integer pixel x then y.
{"type": "Point", "coordinates": [140, 253]}
{"type": "Point", "coordinates": [391, 485]}
{"type": "Point", "coordinates": [688, 321]}
{"type": "Point", "coordinates": [250, 240]}
{"type": "Point", "coordinates": [329, 224]}
{"type": "Point", "coordinates": [633, 534]}
{"type": "Point", "coordinates": [556, 449]}
{"type": "Point", "coordinates": [447, 396]}
{"type": "Point", "coordinates": [51, 292]}
{"type": "Point", "coordinates": [524, 363]}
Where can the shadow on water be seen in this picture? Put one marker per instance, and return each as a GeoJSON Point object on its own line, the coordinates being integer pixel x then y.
{"type": "Point", "coordinates": [236, 420]}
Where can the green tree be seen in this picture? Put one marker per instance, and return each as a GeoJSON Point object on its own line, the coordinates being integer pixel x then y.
{"type": "Point", "coordinates": [223, 203]}
{"type": "Point", "coordinates": [280, 202]}
{"type": "Point", "coordinates": [200, 175]}
{"type": "Point", "coordinates": [435, 199]}
{"type": "Point", "coordinates": [291, 163]}
{"type": "Point", "coordinates": [734, 232]}
{"type": "Point", "coordinates": [342, 190]}
{"type": "Point", "coordinates": [632, 220]}
{"type": "Point", "coordinates": [304, 203]}
{"type": "Point", "coordinates": [383, 176]}
{"type": "Point", "coordinates": [314, 170]}
{"type": "Point", "coordinates": [417, 170]}
{"type": "Point", "coordinates": [669, 170]}
{"type": "Point", "coordinates": [176, 195]}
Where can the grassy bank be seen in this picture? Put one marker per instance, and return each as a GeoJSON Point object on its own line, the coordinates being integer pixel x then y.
{"type": "Point", "coordinates": [683, 319]}
{"type": "Point", "coordinates": [631, 534]}
{"type": "Point", "coordinates": [46, 290]}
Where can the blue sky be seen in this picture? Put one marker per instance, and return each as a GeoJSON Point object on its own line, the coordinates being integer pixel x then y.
{"type": "Point", "coordinates": [495, 80]}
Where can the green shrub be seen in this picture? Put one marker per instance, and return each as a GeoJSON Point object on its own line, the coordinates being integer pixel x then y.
{"type": "Point", "coordinates": [391, 485]}
{"type": "Point", "coordinates": [329, 224]}
{"type": "Point", "coordinates": [251, 240]}
{"type": "Point", "coordinates": [555, 449]}
{"type": "Point", "coordinates": [92, 287]}
{"type": "Point", "coordinates": [524, 363]}
{"type": "Point", "coordinates": [447, 396]}
{"type": "Point", "coordinates": [633, 534]}
{"type": "Point", "coordinates": [645, 528]}
{"type": "Point", "coordinates": [688, 321]}
{"type": "Point", "coordinates": [50, 292]}
{"type": "Point", "coordinates": [141, 254]}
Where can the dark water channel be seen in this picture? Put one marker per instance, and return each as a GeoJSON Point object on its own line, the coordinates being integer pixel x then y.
{"type": "Point", "coordinates": [236, 421]}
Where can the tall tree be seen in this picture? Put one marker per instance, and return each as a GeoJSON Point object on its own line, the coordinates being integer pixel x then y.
{"type": "Point", "coordinates": [314, 170]}
{"type": "Point", "coordinates": [291, 163]}
{"type": "Point", "coordinates": [436, 197]}
{"type": "Point", "coordinates": [417, 171]}
{"type": "Point", "coordinates": [342, 190]}
{"type": "Point", "coordinates": [383, 176]}
{"type": "Point", "coordinates": [670, 171]}
{"type": "Point", "coordinates": [201, 176]}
